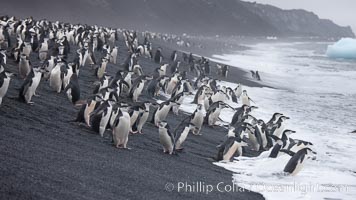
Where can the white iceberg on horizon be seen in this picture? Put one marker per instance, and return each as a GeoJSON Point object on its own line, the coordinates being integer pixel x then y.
{"type": "Point", "coordinates": [344, 48]}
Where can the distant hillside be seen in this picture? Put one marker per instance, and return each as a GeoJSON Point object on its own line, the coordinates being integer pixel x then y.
{"type": "Point", "coordinates": [203, 17]}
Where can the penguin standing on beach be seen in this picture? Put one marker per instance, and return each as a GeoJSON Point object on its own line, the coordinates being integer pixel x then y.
{"type": "Point", "coordinates": [175, 67]}
{"type": "Point", "coordinates": [101, 70]}
{"type": "Point", "coordinates": [66, 74]}
{"type": "Point", "coordinates": [3, 57]}
{"type": "Point", "coordinates": [121, 129]}
{"type": "Point", "coordinates": [225, 71]}
{"type": "Point", "coordinates": [182, 136]}
{"type": "Point", "coordinates": [197, 119]}
{"type": "Point", "coordinates": [55, 78]}
{"type": "Point", "coordinates": [158, 56]}
{"type": "Point", "coordinates": [245, 99]}
{"type": "Point", "coordinates": [142, 118]}
{"type": "Point", "coordinates": [113, 55]}
{"type": "Point", "coordinates": [100, 117]}
{"type": "Point", "coordinates": [43, 50]}
{"type": "Point", "coordinates": [134, 112]}
{"type": "Point", "coordinates": [28, 88]}
{"type": "Point", "coordinates": [72, 90]}
{"type": "Point", "coordinates": [85, 111]}
{"type": "Point", "coordinates": [174, 56]}
{"type": "Point", "coordinates": [162, 111]}
{"type": "Point", "coordinates": [163, 70]}
{"type": "Point", "coordinates": [5, 78]}
{"type": "Point", "coordinates": [213, 112]}
{"type": "Point", "coordinates": [200, 95]}
{"type": "Point", "coordinates": [238, 90]}
{"type": "Point", "coordinates": [138, 86]}
{"type": "Point", "coordinates": [178, 100]}
{"type": "Point", "coordinates": [166, 138]}
{"type": "Point", "coordinates": [24, 66]}
{"type": "Point", "coordinates": [258, 76]}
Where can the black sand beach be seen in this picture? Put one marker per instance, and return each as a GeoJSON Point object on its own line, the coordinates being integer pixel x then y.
{"type": "Point", "coordinates": [43, 156]}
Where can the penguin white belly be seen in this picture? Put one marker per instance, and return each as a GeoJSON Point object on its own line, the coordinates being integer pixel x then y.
{"type": "Point", "coordinates": [256, 145]}
{"type": "Point", "coordinates": [239, 151]}
{"type": "Point", "coordinates": [230, 153]}
{"type": "Point", "coordinates": [138, 91]}
{"type": "Point", "coordinates": [88, 110]}
{"type": "Point", "coordinates": [245, 100]}
{"type": "Point", "coordinates": [121, 131]}
{"type": "Point", "coordinates": [24, 68]}
{"type": "Point", "coordinates": [162, 114]}
{"type": "Point", "coordinates": [104, 121]}
{"type": "Point", "coordinates": [278, 132]}
{"type": "Point", "coordinates": [133, 118]}
{"type": "Point", "coordinates": [238, 92]}
{"type": "Point", "coordinates": [142, 121]}
{"type": "Point", "coordinates": [213, 118]}
{"type": "Point", "coordinates": [27, 50]}
{"type": "Point", "coordinates": [42, 54]}
{"type": "Point", "coordinates": [176, 107]}
{"type": "Point", "coordinates": [198, 121]}
{"type": "Point", "coordinates": [113, 57]}
{"type": "Point", "coordinates": [55, 79]}
{"type": "Point", "coordinates": [29, 93]}
{"type": "Point", "coordinates": [4, 88]}
{"type": "Point", "coordinates": [101, 70]}
{"type": "Point", "coordinates": [171, 85]}
{"type": "Point", "coordinates": [36, 80]}
{"type": "Point", "coordinates": [182, 138]}
{"type": "Point", "coordinates": [206, 103]}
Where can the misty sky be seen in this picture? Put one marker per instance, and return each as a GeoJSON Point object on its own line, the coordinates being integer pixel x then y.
{"type": "Point", "coordinates": [342, 12]}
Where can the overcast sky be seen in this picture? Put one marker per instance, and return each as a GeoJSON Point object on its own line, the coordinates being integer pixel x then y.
{"type": "Point", "coordinates": [342, 12]}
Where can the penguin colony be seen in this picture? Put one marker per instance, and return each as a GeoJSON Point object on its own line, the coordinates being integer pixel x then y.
{"type": "Point", "coordinates": [116, 107]}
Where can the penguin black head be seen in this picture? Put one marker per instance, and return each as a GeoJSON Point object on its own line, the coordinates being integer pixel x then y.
{"type": "Point", "coordinates": [277, 115]}
{"type": "Point", "coordinates": [288, 132]}
{"type": "Point", "coordinates": [283, 118]}
{"type": "Point", "coordinates": [253, 108]}
{"type": "Point", "coordinates": [309, 151]}
{"type": "Point", "coordinates": [245, 107]}
{"type": "Point", "coordinates": [260, 122]}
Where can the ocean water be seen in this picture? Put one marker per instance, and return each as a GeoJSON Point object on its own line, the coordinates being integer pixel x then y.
{"type": "Point", "coordinates": [319, 96]}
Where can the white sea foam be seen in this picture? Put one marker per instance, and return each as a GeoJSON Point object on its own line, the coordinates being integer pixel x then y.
{"type": "Point", "coordinates": [318, 94]}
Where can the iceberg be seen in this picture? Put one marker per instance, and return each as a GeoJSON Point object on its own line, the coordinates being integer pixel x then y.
{"type": "Point", "coordinates": [344, 48]}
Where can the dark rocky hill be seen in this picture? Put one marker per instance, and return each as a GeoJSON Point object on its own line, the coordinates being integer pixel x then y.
{"type": "Point", "coordinates": [198, 17]}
